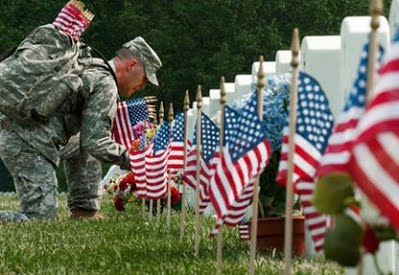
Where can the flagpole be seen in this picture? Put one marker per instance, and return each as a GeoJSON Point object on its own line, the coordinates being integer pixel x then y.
{"type": "Point", "coordinates": [171, 115]}
{"type": "Point", "coordinates": [291, 151]}
{"type": "Point", "coordinates": [161, 116]}
{"type": "Point", "coordinates": [255, 197]}
{"type": "Point", "coordinates": [376, 10]}
{"type": "Point", "coordinates": [198, 171]}
{"type": "Point", "coordinates": [145, 144]}
{"type": "Point", "coordinates": [219, 249]}
{"type": "Point", "coordinates": [183, 198]}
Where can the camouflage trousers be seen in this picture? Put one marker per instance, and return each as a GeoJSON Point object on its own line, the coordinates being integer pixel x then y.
{"type": "Point", "coordinates": [36, 182]}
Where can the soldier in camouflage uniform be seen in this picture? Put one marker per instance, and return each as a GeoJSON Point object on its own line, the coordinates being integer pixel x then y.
{"type": "Point", "coordinates": [31, 152]}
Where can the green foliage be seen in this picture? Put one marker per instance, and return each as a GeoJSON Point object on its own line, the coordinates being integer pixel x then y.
{"type": "Point", "coordinates": [271, 195]}
{"type": "Point", "coordinates": [342, 243]}
{"type": "Point", "coordinates": [127, 243]}
{"type": "Point", "coordinates": [332, 192]}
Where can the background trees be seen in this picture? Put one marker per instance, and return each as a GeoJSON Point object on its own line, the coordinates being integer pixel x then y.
{"type": "Point", "coordinates": [197, 41]}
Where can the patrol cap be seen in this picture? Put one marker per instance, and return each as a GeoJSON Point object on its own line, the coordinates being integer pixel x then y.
{"type": "Point", "coordinates": [138, 47]}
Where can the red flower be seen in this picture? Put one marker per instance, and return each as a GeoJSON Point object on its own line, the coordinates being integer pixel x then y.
{"type": "Point", "coordinates": [370, 240]}
{"type": "Point", "coordinates": [133, 187]}
{"type": "Point", "coordinates": [123, 185]}
{"type": "Point", "coordinates": [129, 178]}
{"type": "Point", "coordinates": [118, 203]}
{"type": "Point", "coordinates": [175, 196]}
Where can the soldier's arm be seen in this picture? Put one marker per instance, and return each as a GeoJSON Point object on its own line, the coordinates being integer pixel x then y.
{"type": "Point", "coordinates": [97, 117]}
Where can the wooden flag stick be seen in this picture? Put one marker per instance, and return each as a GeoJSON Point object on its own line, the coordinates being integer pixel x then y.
{"type": "Point", "coordinates": [291, 150]}
{"type": "Point", "coordinates": [376, 10]}
{"type": "Point", "coordinates": [169, 198]}
{"type": "Point", "coordinates": [198, 173]}
{"type": "Point", "coordinates": [161, 117]}
{"type": "Point", "coordinates": [183, 196]}
{"type": "Point", "coordinates": [145, 144]}
{"type": "Point", "coordinates": [219, 249]}
{"type": "Point", "coordinates": [255, 198]}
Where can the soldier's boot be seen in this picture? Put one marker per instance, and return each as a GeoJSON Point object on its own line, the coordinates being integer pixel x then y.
{"type": "Point", "coordinates": [80, 213]}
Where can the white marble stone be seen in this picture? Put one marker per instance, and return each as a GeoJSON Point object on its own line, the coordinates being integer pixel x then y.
{"type": "Point", "coordinates": [283, 62]}
{"type": "Point", "coordinates": [242, 84]}
{"type": "Point", "coordinates": [269, 68]}
{"type": "Point", "coordinates": [321, 58]}
{"type": "Point", "coordinates": [214, 105]}
{"type": "Point", "coordinates": [394, 17]}
{"type": "Point", "coordinates": [354, 32]}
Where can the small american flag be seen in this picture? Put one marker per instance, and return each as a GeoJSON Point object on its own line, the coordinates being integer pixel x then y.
{"type": "Point", "coordinates": [375, 163]}
{"type": "Point", "coordinates": [243, 230]}
{"type": "Point", "coordinates": [137, 166]}
{"type": "Point", "coordinates": [156, 164]}
{"type": "Point", "coordinates": [128, 114]}
{"type": "Point", "coordinates": [209, 156]}
{"type": "Point", "coordinates": [176, 157]}
{"type": "Point", "coordinates": [314, 126]}
{"type": "Point", "coordinates": [337, 155]}
{"type": "Point", "coordinates": [245, 155]}
{"type": "Point", "coordinates": [71, 21]}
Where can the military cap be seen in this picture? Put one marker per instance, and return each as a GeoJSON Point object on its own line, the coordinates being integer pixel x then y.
{"type": "Point", "coordinates": [139, 48]}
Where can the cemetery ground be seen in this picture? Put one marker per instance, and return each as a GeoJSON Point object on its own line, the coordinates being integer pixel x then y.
{"type": "Point", "coordinates": [127, 243]}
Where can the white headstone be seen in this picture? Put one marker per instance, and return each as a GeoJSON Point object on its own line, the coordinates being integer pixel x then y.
{"type": "Point", "coordinates": [269, 68]}
{"type": "Point", "coordinates": [354, 32]}
{"type": "Point", "coordinates": [214, 105]}
{"type": "Point", "coordinates": [321, 59]}
{"type": "Point", "coordinates": [191, 120]}
{"type": "Point", "coordinates": [283, 61]}
{"type": "Point", "coordinates": [243, 84]}
{"type": "Point", "coordinates": [230, 92]}
{"type": "Point", "coordinates": [394, 17]}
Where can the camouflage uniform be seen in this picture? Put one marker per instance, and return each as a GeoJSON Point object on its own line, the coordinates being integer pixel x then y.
{"type": "Point", "coordinates": [31, 151]}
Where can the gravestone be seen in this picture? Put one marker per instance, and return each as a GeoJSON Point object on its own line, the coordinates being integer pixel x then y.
{"type": "Point", "coordinates": [283, 62]}
{"type": "Point", "coordinates": [242, 84]}
{"type": "Point", "coordinates": [269, 68]}
{"type": "Point", "coordinates": [394, 17]}
{"type": "Point", "coordinates": [321, 58]}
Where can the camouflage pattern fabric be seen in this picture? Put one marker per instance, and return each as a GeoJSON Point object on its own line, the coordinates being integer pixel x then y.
{"type": "Point", "coordinates": [12, 216]}
{"type": "Point", "coordinates": [83, 174]}
{"type": "Point", "coordinates": [34, 176]}
{"type": "Point", "coordinates": [31, 152]}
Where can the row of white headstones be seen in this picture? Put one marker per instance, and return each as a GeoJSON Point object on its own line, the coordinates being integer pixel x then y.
{"type": "Point", "coordinates": [333, 61]}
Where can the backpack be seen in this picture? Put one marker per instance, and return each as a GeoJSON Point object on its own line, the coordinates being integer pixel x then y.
{"type": "Point", "coordinates": [39, 74]}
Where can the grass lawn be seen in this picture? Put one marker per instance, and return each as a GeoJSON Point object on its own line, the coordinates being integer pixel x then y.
{"type": "Point", "coordinates": [127, 243]}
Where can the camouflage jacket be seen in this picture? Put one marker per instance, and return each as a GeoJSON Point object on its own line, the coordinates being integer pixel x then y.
{"type": "Point", "coordinates": [91, 112]}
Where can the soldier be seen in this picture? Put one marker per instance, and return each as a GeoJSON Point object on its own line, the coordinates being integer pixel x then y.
{"type": "Point", "coordinates": [31, 152]}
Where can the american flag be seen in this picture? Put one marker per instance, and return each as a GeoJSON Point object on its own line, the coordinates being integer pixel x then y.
{"type": "Point", "coordinates": [71, 21]}
{"type": "Point", "coordinates": [337, 155]}
{"type": "Point", "coordinates": [314, 125]}
{"type": "Point", "coordinates": [137, 166]}
{"type": "Point", "coordinates": [128, 114]}
{"type": "Point", "coordinates": [244, 156]}
{"type": "Point", "coordinates": [209, 156]}
{"type": "Point", "coordinates": [316, 222]}
{"type": "Point", "coordinates": [176, 157]}
{"type": "Point", "coordinates": [243, 230]}
{"type": "Point", "coordinates": [375, 163]}
{"type": "Point", "coordinates": [156, 164]}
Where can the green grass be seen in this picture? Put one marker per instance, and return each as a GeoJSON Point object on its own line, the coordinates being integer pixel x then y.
{"type": "Point", "coordinates": [127, 243]}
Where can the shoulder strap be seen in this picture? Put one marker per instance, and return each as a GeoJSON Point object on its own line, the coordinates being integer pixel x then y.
{"type": "Point", "coordinates": [7, 53]}
{"type": "Point", "coordinates": [106, 62]}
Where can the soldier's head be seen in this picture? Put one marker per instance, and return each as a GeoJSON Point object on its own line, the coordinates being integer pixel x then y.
{"type": "Point", "coordinates": [136, 65]}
